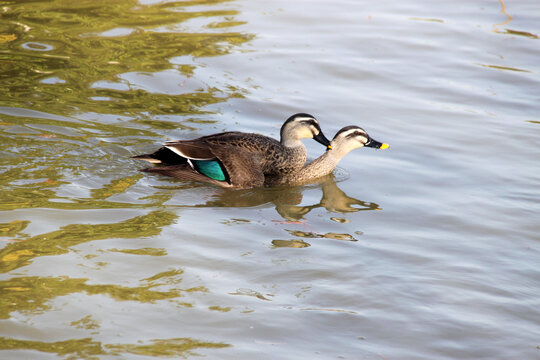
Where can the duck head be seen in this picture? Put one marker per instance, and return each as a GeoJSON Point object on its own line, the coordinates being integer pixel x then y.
{"type": "Point", "coordinates": [302, 126]}
{"type": "Point", "coordinates": [354, 137]}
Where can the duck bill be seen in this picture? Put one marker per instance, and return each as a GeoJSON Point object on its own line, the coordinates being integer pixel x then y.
{"type": "Point", "coordinates": [375, 144]}
{"type": "Point", "coordinates": [320, 138]}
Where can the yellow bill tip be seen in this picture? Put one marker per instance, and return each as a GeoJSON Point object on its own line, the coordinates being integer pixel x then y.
{"type": "Point", "coordinates": [329, 147]}
{"type": "Point", "coordinates": [384, 146]}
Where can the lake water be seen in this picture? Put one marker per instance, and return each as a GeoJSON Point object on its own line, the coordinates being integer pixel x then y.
{"type": "Point", "coordinates": [427, 250]}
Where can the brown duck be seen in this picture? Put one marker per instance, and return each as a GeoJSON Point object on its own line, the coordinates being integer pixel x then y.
{"type": "Point", "coordinates": [236, 159]}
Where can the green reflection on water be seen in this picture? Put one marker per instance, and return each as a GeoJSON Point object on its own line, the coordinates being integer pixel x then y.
{"type": "Point", "coordinates": [143, 251]}
{"type": "Point", "coordinates": [33, 293]}
{"type": "Point", "coordinates": [75, 101]}
{"type": "Point", "coordinates": [75, 348]}
{"type": "Point", "coordinates": [309, 234]}
{"type": "Point", "coordinates": [165, 347]}
{"type": "Point", "coordinates": [165, 274]}
{"type": "Point", "coordinates": [15, 255]}
{"type": "Point", "coordinates": [77, 44]}
{"type": "Point", "coordinates": [521, 33]}
{"type": "Point", "coordinates": [13, 228]}
{"type": "Point", "coordinates": [86, 322]}
{"type": "Point", "coordinates": [117, 186]}
{"type": "Point", "coordinates": [290, 243]}
{"type": "Point", "coordinates": [498, 67]}
{"type": "Point", "coordinates": [89, 349]}
{"type": "Point", "coordinates": [60, 59]}
{"type": "Point", "coordinates": [36, 164]}
{"type": "Point", "coordinates": [219, 308]}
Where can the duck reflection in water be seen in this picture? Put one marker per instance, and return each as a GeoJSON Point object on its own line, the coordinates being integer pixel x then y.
{"type": "Point", "coordinates": [287, 199]}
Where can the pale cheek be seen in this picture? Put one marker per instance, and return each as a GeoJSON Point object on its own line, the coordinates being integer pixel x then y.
{"type": "Point", "coordinates": [307, 133]}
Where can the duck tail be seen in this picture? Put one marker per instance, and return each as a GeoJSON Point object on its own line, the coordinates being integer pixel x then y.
{"type": "Point", "coordinates": [162, 156]}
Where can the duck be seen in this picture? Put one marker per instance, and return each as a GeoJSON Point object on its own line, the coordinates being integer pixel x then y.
{"type": "Point", "coordinates": [237, 159]}
{"type": "Point", "coordinates": [347, 139]}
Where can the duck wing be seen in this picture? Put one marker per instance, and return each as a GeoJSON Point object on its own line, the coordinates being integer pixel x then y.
{"type": "Point", "coordinates": [225, 166]}
{"type": "Point", "coordinates": [191, 149]}
{"type": "Point", "coordinates": [243, 168]}
{"type": "Point", "coordinates": [249, 142]}
{"type": "Point", "coordinates": [231, 159]}
{"type": "Point", "coordinates": [177, 152]}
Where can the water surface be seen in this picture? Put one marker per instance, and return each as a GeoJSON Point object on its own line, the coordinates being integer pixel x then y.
{"type": "Point", "coordinates": [427, 250]}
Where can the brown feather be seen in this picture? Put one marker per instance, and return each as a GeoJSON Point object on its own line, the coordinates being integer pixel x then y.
{"type": "Point", "coordinates": [192, 149]}
{"type": "Point", "coordinates": [243, 169]}
{"type": "Point", "coordinates": [245, 158]}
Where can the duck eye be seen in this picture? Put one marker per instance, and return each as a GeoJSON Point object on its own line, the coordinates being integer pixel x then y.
{"type": "Point", "coordinates": [312, 125]}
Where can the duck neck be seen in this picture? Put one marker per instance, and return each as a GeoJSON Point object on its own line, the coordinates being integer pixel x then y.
{"type": "Point", "coordinates": [291, 142]}
{"type": "Point", "coordinates": [323, 165]}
